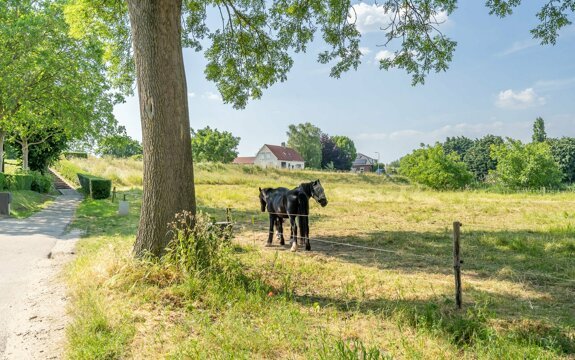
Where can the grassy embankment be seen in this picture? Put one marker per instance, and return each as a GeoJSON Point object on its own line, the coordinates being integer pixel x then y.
{"type": "Point", "coordinates": [333, 301]}
{"type": "Point", "coordinates": [25, 202]}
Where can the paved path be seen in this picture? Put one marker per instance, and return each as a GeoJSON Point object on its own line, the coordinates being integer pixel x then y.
{"type": "Point", "coordinates": [25, 245]}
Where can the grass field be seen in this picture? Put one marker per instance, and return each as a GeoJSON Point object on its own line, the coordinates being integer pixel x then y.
{"type": "Point", "coordinates": [335, 301]}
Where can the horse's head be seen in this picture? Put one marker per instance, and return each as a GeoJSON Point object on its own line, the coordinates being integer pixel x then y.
{"type": "Point", "coordinates": [263, 198]}
{"type": "Point", "coordinates": [318, 194]}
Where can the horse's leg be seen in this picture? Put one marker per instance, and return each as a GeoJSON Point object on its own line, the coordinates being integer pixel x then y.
{"type": "Point", "coordinates": [281, 231]}
{"type": "Point", "coordinates": [293, 225]}
{"type": "Point", "coordinates": [306, 232]}
{"type": "Point", "coordinates": [271, 232]}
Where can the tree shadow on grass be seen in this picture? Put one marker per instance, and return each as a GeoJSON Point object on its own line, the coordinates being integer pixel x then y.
{"type": "Point", "coordinates": [463, 328]}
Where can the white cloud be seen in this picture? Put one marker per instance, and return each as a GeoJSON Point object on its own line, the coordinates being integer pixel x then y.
{"type": "Point", "coordinates": [212, 96]}
{"type": "Point", "coordinates": [370, 18]}
{"type": "Point", "coordinates": [509, 99]}
{"type": "Point", "coordinates": [365, 50]}
{"type": "Point", "coordinates": [384, 54]}
{"type": "Point", "coordinates": [518, 46]}
{"type": "Point", "coordinates": [191, 94]}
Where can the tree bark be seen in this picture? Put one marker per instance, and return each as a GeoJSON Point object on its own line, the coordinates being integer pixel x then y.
{"type": "Point", "coordinates": [2, 137]}
{"type": "Point", "coordinates": [168, 167]}
{"type": "Point", "coordinates": [25, 152]}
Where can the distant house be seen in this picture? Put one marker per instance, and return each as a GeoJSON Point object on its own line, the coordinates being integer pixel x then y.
{"type": "Point", "coordinates": [279, 157]}
{"type": "Point", "coordinates": [363, 163]}
{"type": "Point", "coordinates": [244, 160]}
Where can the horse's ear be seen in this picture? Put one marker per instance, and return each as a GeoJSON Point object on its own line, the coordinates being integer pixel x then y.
{"type": "Point", "coordinates": [260, 189]}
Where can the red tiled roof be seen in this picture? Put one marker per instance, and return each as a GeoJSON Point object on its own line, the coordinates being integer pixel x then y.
{"type": "Point", "coordinates": [284, 153]}
{"type": "Point", "coordinates": [244, 160]}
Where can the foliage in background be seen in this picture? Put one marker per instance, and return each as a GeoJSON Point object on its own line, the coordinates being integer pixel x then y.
{"type": "Point", "coordinates": [525, 166]}
{"type": "Point", "coordinates": [431, 166]}
{"type": "Point", "coordinates": [563, 151]}
{"type": "Point", "coordinates": [348, 150]}
{"type": "Point", "coordinates": [337, 152]}
{"type": "Point", "coordinates": [119, 144]}
{"type": "Point", "coordinates": [306, 140]}
{"type": "Point", "coordinates": [50, 83]}
{"type": "Point", "coordinates": [539, 134]}
{"type": "Point", "coordinates": [214, 146]}
{"type": "Point", "coordinates": [478, 157]}
{"type": "Point", "coordinates": [44, 154]}
{"type": "Point", "coordinates": [458, 144]}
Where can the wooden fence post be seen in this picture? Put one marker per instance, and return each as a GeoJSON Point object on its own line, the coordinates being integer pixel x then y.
{"type": "Point", "coordinates": [457, 262]}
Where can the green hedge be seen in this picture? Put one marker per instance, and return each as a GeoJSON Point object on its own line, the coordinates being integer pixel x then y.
{"type": "Point", "coordinates": [96, 187]}
{"type": "Point", "coordinates": [19, 181]}
{"type": "Point", "coordinates": [3, 184]}
{"type": "Point", "coordinates": [75, 154]}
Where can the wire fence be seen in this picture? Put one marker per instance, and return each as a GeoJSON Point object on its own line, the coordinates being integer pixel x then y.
{"type": "Point", "coordinates": [394, 252]}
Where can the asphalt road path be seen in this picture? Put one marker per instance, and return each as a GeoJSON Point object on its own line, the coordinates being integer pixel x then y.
{"type": "Point", "coordinates": [24, 244]}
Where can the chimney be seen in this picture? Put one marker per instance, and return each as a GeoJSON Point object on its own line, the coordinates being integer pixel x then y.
{"type": "Point", "coordinates": [283, 144]}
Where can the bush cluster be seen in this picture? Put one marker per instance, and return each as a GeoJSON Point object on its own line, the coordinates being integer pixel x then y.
{"type": "Point", "coordinates": [95, 187]}
{"type": "Point", "coordinates": [30, 180]}
{"type": "Point", "coordinates": [431, 166]}
{"type": "Point", "coordinates": [75, 154]}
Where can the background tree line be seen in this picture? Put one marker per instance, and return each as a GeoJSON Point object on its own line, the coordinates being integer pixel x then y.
{"type": "Point", "coordinates": [460, 162]}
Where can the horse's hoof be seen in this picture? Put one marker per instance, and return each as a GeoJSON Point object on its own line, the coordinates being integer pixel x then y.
{"type": "Point", "coordinates": [293, 247]}
{"type": "Point", "coordinates": [308, 248]}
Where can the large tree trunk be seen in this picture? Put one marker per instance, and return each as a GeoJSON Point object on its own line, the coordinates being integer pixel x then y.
{"type": "Point", "coordinates": [2, 137]}
{"type": "Point", "coordinates": [168, 168]}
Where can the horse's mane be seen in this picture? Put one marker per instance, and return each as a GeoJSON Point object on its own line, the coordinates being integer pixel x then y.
{"type": "Point", "coordinates": [307, 188]}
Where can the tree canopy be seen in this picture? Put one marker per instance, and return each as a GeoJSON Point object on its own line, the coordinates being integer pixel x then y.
{"type": "Point", "coordinates": [539, 134]}
{"type": "Point", "coordinates": [50, 83]}
{"type": "Point", "coordinates": [433, 167]}
{"type": "Point", "coordinates": [525, 166]}
{"type": "Point", "coordinates": [306, 140]}
{"type": "Point", "coordinates": [214, 145]}
{"type": "Point", "coordinates": [119, 144]}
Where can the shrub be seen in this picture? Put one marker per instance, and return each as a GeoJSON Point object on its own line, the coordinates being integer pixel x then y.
{"type": "Point", "coordinates": [96, 187]}
{"type": "Point", "coordinates": [431, 166]}
{"type": "Point", "coordinates": [19, 182]}
{"type": "Point", "coordinates": [198, 246]}
{"type": "Point", "coordinates": [525, 166]}
{"type": "Point", "coordinates": [100, 188]}
{"type": "Point", "coordinates": [3, 184]}
{"type": "Point", "coordinates": [41, 183]}
{"type": "Point", "coordinates": [75, 154]}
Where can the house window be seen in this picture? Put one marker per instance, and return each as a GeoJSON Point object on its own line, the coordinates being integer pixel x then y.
{"type": "Point", "coordinates": [283, 164]}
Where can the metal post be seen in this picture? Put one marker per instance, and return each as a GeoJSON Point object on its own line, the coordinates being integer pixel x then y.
{"type": "Point", "coordinates": [457, 262]}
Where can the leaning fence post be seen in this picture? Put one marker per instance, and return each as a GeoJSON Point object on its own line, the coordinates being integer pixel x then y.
{"type": "Point", "coordinates": [457, 262]}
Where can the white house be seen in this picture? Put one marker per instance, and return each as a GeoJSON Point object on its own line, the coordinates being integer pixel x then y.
{"type": "Point", "coordinates": [279, 157]}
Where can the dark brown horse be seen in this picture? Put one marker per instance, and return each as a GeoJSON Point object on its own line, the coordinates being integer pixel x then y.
{"type": "Point", "coordinates": [282, 203]}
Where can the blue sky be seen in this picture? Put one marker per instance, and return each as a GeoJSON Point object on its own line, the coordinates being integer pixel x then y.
{"type": "Point", "coordinates": [500, 80]}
